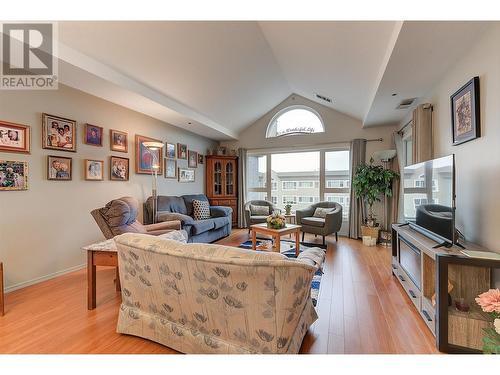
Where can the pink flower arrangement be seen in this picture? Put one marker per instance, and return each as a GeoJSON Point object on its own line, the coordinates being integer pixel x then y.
{"type": "Point", "coordinates": [490, 301]}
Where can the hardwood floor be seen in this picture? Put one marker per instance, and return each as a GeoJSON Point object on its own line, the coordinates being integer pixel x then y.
{"type": "Point", "coordinates": [361, 308]}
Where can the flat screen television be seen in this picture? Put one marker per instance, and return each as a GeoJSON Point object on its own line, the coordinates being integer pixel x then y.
{"type": "Point", "coordinates": [429, 198]}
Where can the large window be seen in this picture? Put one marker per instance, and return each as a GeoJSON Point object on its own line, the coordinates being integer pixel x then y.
{"type": "Point", "coordinates": [301, 179]}
{"type": "Point", "coordinates": [295, 120]}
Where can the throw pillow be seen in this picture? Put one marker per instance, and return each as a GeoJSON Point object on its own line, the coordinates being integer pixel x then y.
{"type": "Point", "coordinates": [201, 210]}
{"type": "Point", "coordinates": [259, 210]}
{"type": "Point", "coordinates": [322, 212]}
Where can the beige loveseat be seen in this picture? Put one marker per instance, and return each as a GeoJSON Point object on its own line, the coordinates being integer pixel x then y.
{"type": "Point", "coordinates": [207, 298]}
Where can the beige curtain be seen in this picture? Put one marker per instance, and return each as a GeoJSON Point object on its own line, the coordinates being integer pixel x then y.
{"type": "Point", "coordinates": [422, 133]}
{"type": "Point", "coordinates": [242, 186]}
{"type": "Point", "coordinates": [397, 165]}
{"type": "Point", "coordinates": [357, 157]}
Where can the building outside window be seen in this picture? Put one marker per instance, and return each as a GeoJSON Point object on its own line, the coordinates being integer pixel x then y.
{"type": "Point", "coordinates": [289, 185]}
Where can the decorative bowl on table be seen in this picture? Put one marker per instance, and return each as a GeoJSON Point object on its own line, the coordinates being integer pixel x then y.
{"type": "Point", "coordinates": [276, 221]}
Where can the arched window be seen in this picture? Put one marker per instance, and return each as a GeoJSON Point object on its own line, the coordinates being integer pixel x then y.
{"type": "Point", "coordinates": [297, 119]}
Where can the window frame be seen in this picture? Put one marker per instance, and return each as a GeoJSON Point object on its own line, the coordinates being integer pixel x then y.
{"type": "Point", "coordinates": [272, 133]}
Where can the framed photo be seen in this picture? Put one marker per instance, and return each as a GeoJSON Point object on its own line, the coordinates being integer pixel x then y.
{"type": "Point", "coordinates": [192, 159]}
{"type": "Point", "coordinates": [58, 133]}
{"type": "Point", "coordinates": [59, 168]}
{"type": "Point", "coordinates": [170, 168]}
{"type": "Point", "coordinates": [118, 141]}
{"type": "Point", "coordinates": [93, 135]}
{"type": "Point", "coordinates": [200, 159]}
{"type": "Point", "coordinates": [145, 158]}
{"type": "Point", "coordinates": [182, 151]}
{"type": "Point", "coordinates": [119, 168]}
{"type": "Point", "coordinates": [465, 113]}
{"type": "Point", "coordinates": [13, 175]}
{"type": "Point", "coordinates": [94, 170]}
{"type": "Point", "coordinates": [186, 175]}
{"type": "Point", "coordinates": [170, 150]}
{"type": "Point", "coordinates": [15, 137]}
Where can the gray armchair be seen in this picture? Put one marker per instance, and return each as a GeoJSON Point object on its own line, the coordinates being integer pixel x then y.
{"type": "Point", "coordinates": [120, 216]}
{"type": "Point", "coordinates": [254, 218]}
{"type": "Point", "coordinates": [330, 224]}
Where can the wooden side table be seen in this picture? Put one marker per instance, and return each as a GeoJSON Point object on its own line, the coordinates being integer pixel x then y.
{"type": "Point", "coordinates": [276, 234]}
{"type": "Point", "coordinates": [2, 299]}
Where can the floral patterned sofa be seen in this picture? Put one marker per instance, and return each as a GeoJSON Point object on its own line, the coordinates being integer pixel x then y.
{"type": "Point", "coordinates": [208, 298]}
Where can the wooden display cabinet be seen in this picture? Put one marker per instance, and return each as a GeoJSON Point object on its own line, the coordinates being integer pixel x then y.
{"type": "Point", "coordinates": [222, 182]}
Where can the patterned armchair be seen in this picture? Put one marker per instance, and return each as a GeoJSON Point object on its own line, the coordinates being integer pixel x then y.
{"type": "Point", "coordinates": [208, 298]}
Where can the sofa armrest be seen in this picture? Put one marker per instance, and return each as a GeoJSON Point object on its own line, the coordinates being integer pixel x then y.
{"type": "Point", "coordinates": [220, 211]}
{"type": "Point", "coordinates": [165, 225]}
{"type": "Point", "coordinates": [333, 220]}
{"type": "Point", "coordinates": [314, 257]}
{"type": "Point", "coordinates": [173, 216]}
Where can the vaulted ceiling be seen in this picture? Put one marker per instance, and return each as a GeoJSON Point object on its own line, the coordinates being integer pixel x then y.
{"type": "Point", "coordinates": [217, 78]}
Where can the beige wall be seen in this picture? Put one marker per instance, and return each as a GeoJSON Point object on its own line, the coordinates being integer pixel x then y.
{"type": "Point", "coordinates": [477, 161]}
{"type": "Point", "coordinates": [42, 229]}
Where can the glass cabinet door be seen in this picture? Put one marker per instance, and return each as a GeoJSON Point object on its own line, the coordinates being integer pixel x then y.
{"type": "Point", "coordinates": [217, 178]}
{"type": "Point", "coordinates": [230, 178]}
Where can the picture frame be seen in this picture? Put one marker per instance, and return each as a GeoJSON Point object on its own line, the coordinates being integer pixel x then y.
{"type": "Point", "coordinates": [119, 168]}
{"type": "Point", "coordinates": [118, 141]}
{"type": "Point", "coordinates": [170, 168]}
{"type": "Point", "coordinates": [170, 150]}
{"type": "Point", "coordinates": [58, 133]}
{"type": "Point", "coordinates": [94, 169]}
{"type": "Point", "coordinates": [182, 151]}
{"type": "Point", "coordinates": [465, 113]}
{"type": "Point", "coordinates": [186, 175]}
{"type": "Point", "coordinates": [201, 159]}
{"type": "Point", "coordinates": [192, 159]}
{"type": "Point", "coordinates": [15, 137]}
{"type": "Point", "coordinates": [13, 175]}
{"type": "Point", "coordinates": [59, 168]}
{"type": "Point", "coordinates": [93, 135]}
{"type": "Point", "coordinates": [144, 158]}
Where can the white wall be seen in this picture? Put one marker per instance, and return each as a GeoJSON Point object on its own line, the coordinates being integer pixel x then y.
{"type": "Point", "coordinates": [477, 161]}
{"type": "Point", "coordinates": [42, 229]}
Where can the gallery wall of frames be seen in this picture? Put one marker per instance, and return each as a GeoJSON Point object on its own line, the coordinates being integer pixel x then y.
{"type": "Point", "coordinates": [68, 153]}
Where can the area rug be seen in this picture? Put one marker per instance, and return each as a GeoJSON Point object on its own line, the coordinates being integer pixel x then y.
{"type": "Point", "coordinates": [288, 249]}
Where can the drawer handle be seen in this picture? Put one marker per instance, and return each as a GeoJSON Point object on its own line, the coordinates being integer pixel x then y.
{"type": "Point", "coordinates": [412, 293]}
{"type": "Point", "coordinates": [401, 278]}
{"type": "Point", "coordinates": [427, 316]}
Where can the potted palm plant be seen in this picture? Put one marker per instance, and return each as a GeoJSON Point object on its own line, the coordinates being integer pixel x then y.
{"type": "Point", "coordinates": [370, 182]}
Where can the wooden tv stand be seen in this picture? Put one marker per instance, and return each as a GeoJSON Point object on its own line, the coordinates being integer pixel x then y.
{"type": "Point", "coordinates": [424, 270]}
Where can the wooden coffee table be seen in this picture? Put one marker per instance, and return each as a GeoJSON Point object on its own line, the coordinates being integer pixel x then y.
{"type": "Point", "coordinates": [276, 234]}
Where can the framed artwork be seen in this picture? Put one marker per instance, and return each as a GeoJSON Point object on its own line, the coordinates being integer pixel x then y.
{"type": "Point", "coordinates": [93, 135]}
{"type": "Point", "coordinates": [118, 141]}
{"type": "Point", "coordinates": [170, 168]}
{"type": "Point", "coordinates": [465, 113]}
{"type": "Point", "coordinates": [144, 158]}
{"type": "Point", "coordinates": [15, 137]}
{"type": "Point", "coordinates": [59, 168]}
{"type": "Point", "coordinates": [119, 168]}
{"type": "Point", "coordinates": [58, 133]}
{"type": "Point", "coordinates": [186, 175]}
{"type": "Point", "coordinates": [200, 159]}
{"type": "Point", "coordinates": [13, 175]}
{"type": "Point", "coordinates": [94, 170]}
{"type": "Point", "coordinates": [192, 159]}
{"type": "Point", "coordinates": [170, 150]}
{"type": "Point", "coordinates": [182, 151]}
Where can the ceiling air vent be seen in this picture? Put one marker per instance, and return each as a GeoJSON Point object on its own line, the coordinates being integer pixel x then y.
{"type": "Point", "coordinates": [322, 97]}
{"type": "Point", "coordinates": [406, 103]}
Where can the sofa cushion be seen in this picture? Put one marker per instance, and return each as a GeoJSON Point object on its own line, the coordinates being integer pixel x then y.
{"type": "Point", "coordinates": [259, 210]}
{"type": "Point", "coordinates": [201, 210]}
{"type": "Point", "coordinates": [188, 201]}
{"type": "Point", "coordinates": [313, 221]}
{"type": "Point", "coordinates": [170, 204]}
{"type": "Point", "coordinates": [220, 222]}
{"type": "Point", "coordinates": [201, 226]}
{"type": "Point", "coordinates": [322, 212]}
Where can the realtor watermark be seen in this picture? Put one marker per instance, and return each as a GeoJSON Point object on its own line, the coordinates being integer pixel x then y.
{"type": "Point", "coordinates": [28, 56]}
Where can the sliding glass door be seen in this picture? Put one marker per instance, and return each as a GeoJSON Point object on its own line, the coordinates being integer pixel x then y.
{"type": "Point", "coordinates": [301, 179]}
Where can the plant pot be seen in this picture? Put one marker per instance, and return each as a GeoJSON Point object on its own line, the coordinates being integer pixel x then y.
{"type": "Point", "coordinates": [276, 226]}
{"type": "Point", "coordinates": [370, 231]}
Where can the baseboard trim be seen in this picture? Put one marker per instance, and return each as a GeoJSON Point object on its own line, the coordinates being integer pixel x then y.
{"type": "Point", "coordinates": [40, 279]}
